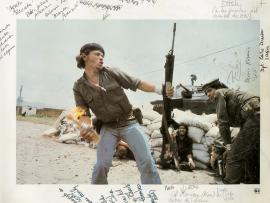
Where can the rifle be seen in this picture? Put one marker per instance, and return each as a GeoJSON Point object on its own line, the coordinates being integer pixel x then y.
{"type": "Point", "coordinates": [166, 118]}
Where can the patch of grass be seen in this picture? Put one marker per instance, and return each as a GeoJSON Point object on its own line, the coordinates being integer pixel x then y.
{"type": "Point", "coordinates": [37, 119]}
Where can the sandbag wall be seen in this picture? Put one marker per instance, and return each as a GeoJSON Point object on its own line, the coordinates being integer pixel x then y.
{"type": "Point", "coordinates": [202, 130]}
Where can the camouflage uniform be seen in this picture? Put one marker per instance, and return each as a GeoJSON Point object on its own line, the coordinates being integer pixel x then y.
{"type": "Point", "coordinates": [240, 109]}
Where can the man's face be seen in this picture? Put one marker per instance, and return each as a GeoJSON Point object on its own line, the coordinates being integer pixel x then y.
{"type": "Point", "coordinates": [182, 130]}
{"type": "Point", "coordinates": [94, 59]}
{"type": "Point", "coordinates": [210, 92]}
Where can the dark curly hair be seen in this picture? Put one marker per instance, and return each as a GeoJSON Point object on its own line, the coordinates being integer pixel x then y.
{"type": "Point", "coordinates": [185, 125]}
{"type": "Point", "coordinates": [176, 125]}
{"type": "Point", "coordinates": [86, 49]}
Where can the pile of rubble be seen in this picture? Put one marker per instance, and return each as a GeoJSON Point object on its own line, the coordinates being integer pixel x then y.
{"type": "Point", "coordinates": [66, 131]}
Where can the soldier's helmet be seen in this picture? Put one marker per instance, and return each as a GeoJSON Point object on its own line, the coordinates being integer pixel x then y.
{"type": "Point", "coordinates": [213, 84]}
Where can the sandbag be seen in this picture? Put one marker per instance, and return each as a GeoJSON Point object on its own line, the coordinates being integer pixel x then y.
{"type": "Point", "coordinates": [158, 149]}
{"type": "Point", "coordinates": [156, 142]}
{"type": "Point", "coordinates": [200, 165]}
{"type": "Point", "coordinates": [146, 121]}
{"type": "Point", "coordinates": [150, 114]}
{"type": "Point", "coordinates": [154, 126]}
{"type": "Point", "coordinates": [146, 130]}
{"type": "Point", "coordinates": [157, 120]}
{"type": "Point", "coordinates": [201, 156]}
{"type": "Point", "coordinates": [147, 137]}
{"type": "Point", "coordinates": [208, 141]}
{"type": "Point", "coordinates": [234, 133]}
{"type": "Point", "coordinates": [213, 132]}
{"type": "Point", "coordinates": [156, 134]}
{"type": "Point", "coordinates": [209, 118]}
{"type": "Point", "coordinates": [191, 119]}
{"type": "Point", "coordinates": [195, 133]}
{"type": "Point", "coordinates": [201, 147]}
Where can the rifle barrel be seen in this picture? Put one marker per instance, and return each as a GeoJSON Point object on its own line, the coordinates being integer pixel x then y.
{"type": "Point", "coordinates": [174, 29]}
{"type": "Point", "coordinates": [185, 88]}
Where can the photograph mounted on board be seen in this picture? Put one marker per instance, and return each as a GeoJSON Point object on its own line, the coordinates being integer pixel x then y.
{"type": "Point", "coordinates": [141, 101]}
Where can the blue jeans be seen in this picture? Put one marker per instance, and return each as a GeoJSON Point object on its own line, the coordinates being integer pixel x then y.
{"type": "Point", "coordinates": [135, 138]}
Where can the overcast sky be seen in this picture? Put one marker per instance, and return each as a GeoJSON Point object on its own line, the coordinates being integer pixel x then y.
{"type": "Point", "coordinates": [46, 51]}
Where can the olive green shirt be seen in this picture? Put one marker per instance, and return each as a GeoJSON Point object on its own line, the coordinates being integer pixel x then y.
{"type": "Point", "coordinates": [229, 110]}
{"type": "Point", "coordinates": [110, 102]}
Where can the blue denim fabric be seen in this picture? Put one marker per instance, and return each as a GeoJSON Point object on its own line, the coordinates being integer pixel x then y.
{"type": "Point", "coordinates": [135, 138]}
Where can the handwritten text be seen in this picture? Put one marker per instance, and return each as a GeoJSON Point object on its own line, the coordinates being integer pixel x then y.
{"type": "Point", "coordinates": [6, 44]}
{"type": "Point", "coordinates": [124, 194]}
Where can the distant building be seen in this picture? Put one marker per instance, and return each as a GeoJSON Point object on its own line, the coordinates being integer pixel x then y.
{"type": "Point", "coordinates": [28, 111]}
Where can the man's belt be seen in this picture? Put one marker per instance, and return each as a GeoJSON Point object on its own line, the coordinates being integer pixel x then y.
{"type": "Point", "coordinates": [121, 123]}
{"type": "Point", "coordinates": [251, 107]}
{"type": "Point", "coordinates": [253, 104]}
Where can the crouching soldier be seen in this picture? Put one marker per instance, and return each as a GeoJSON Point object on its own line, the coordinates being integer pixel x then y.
{"type": "Point", "coordinates": [238, 109]}
{"type": "Point", "coordinates": [184, 148]}
{"type": "Point", "coordinates": [123, 151]}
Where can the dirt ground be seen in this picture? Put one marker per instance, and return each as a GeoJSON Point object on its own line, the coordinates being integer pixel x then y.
{"type": "Point", "coordinates": [41, 160]}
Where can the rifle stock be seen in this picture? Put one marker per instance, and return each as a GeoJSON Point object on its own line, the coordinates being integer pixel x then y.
{"type": "Point", "coordinates": [169, 65]}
